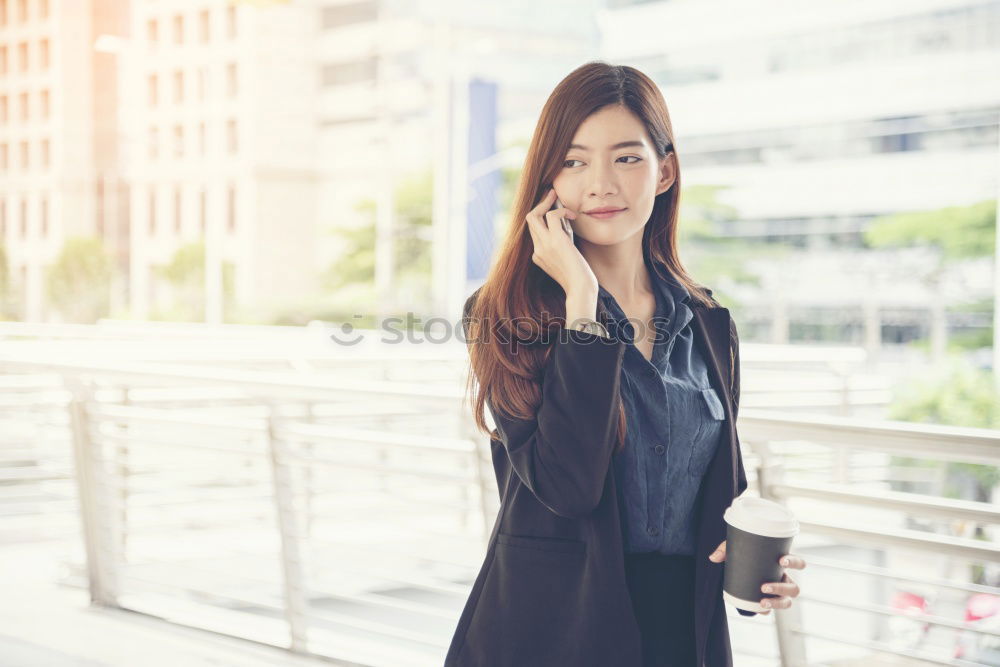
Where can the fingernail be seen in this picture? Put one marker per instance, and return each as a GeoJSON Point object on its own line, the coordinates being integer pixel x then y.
{"type": "Point", "coordinates": [784, 561]}
{"type": "Point", "coordinates": [765, 604]}
{"type": "Point", "coordinates": [767, 589]}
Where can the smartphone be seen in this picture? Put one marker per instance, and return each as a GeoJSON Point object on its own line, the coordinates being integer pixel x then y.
{"type": "Point", "coordinates": [567, 227]}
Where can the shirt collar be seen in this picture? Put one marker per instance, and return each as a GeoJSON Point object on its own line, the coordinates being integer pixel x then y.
{"type": "Point", "coordinates": [668, 286]}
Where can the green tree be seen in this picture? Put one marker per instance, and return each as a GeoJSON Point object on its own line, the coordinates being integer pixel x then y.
{"type": "Point", "coordinates": [958, 233]}
{"type": "Point", "coordinates": [412, 232]}
{"type": "Point", "coordinates": [78, 283]}
{"type": "Point", "coordinates": [186, 275]}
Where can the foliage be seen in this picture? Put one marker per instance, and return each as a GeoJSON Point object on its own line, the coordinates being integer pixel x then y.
{"type": "Point", "coordinates": [186, 275]}
{"type": "Point", "coordinates": [961, 232]}
{"type": "Point", "coordinates": [78, 283]}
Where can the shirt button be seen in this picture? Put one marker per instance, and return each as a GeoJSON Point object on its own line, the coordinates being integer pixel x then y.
{"type": "Point", "coordinates": [659, 449]}
{"type": "Point", "coordinates": [652, 530]}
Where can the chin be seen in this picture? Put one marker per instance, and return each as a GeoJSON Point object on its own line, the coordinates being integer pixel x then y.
{"type": "Point", "coordinates": [605, 237]}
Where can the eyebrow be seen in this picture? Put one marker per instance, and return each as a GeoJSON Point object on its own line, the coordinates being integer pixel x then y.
{"type": "Point", "coordinates": [620, 144]}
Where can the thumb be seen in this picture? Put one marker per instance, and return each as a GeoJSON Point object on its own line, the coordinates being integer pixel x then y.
{"type": "Point", "coordinates": [719, 554]}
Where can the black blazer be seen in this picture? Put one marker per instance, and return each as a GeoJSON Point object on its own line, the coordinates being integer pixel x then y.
{"type": "Point", "coordinates": [552, 591]}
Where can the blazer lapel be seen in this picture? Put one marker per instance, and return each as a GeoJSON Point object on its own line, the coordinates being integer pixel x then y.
{"type": "Point", "coordinates": [711, 331]}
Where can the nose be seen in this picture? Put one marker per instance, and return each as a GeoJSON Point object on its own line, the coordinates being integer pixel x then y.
{"type": "Point", "coordinates": [602, 182]}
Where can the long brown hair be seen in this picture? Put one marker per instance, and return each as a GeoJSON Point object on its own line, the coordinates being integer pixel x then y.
{"type": "Point", "coordinates": [518, 295]}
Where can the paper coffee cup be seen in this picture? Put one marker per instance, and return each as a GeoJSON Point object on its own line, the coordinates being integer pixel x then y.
{"type": "Point", "coordinates": [758, 533]}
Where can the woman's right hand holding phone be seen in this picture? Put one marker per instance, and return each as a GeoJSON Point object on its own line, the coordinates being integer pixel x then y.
{"type": "Point", "coordinates": [557, 255]}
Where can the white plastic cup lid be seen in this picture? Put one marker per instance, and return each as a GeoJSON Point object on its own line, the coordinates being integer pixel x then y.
{"type": "Point", "coordinates": [761, 517]}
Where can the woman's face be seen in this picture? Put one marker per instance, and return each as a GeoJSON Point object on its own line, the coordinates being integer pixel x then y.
{"type": "Point", "coordinates": [596, 175]}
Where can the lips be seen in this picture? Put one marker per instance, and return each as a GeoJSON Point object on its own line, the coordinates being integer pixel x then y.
{"type": "Point", "coordinates": [605, 213]}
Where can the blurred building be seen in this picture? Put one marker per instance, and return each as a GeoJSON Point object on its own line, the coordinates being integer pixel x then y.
{"type": "Point", "coordinates": [416, 86]}
{"type": "Point", "coordinates": [48, 160]}
{"type": "Point", "coordinates": [222, 146]}
{"type": "Point", "coordinates": [818, 117]}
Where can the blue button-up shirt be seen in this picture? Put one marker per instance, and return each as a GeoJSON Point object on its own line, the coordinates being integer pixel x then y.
{"type": "Point", "coordinates": [674, 423]}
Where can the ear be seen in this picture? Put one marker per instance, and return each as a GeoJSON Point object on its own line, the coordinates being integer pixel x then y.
{"type": "Point", "coordinates": [668, 173]}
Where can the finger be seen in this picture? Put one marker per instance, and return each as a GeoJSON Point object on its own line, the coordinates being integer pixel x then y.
{"type": "Point", "coordinates": [545, 203]}
{"type": "Point", "coordinates": [789, 560]}
{"type": "Point", "coordinates": [719, 554]}
{"type": "Point", "coordinates": [777, 603]}
{"type": "Point", "coordinates": [790, 589]}
{"type": "Point", "coordinates": [534, 229]}
{"type": "Point", "coordinates": [554, 217]}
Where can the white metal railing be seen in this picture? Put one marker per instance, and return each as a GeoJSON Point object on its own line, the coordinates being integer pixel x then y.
{"type": "Point", "coordinates": [347, 517]}
{"type": "Point", "coordinates": [843, 511]}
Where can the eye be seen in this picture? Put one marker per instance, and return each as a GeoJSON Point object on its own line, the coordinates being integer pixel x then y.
{"type": "Point", "coordinates": [634, 157]}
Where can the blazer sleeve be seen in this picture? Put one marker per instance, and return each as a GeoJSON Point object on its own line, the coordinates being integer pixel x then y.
{"type": "Point", "coordinates": [734, 341]}
{"type": "Point", "coordinates": [562, 455]}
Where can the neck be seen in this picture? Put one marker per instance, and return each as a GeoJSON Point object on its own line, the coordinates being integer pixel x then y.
{"type": "Point", "coordinates": [619, 268]}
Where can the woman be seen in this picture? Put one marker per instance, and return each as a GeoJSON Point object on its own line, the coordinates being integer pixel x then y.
{"type": "Point", "coordinates": [615, 449]}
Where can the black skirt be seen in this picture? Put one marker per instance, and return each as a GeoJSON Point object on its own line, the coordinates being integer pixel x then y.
{"type": "Point", "coordinates": [662, 590]}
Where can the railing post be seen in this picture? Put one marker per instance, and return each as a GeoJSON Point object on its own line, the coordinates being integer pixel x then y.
{"type": "Point", "coordinates": [791, 644]}
{"type": "Point", "coordinates": [296, 603]}
{"type": "Point", "coordinates": [98, 516]}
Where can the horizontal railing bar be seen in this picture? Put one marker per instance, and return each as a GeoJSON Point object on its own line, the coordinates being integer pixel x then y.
{"type": "Point", "coordinates": [886, 573]}
{"type": "Point", "coordinates": [948, 508]}
{"type": "Point", "coordinates": [272, 384]}
{"type": "Point", "coordinates": [291, 431]}
{"type": "Point", "coordinates": [905, 438]}
{"type": "Point", "coordinates": [883, 610]}
{"type": "Point", "coordinates": [882, 647]}
{"type": "Point", "coordinates": [945, 545]}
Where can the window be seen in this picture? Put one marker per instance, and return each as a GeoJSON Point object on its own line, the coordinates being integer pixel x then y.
{"type": "Point", "coordinates": [25, 154]}
{"type": "Point", "coordinates": [22, 55]}
{"type": "Point", "coordinates": [24, 218]}
{"type": "Point", "coordinates": [3, 12]}
{"type": "Point", "coordinates": [152, 212]}
{"type": "Point", "coordinates": [3, 219]}
{"type": "Point", "coordinates": [177, 209]}
{"type": "Point", "coordinates": [152, 32]}
{"type": "Point", "coordinates": [178, 86]}
{"type": "Point", "coordinates": [232, 144]}
{"type": "Point", "coordinates": [3, 60]}
{"type": "Point", "coordinates": [44, 97]}
{"type": "Point", "coordinates": [232, 84]}
{"type": "Point", "coordinates": [46, 158]}
{"type": "Point", "coordinates": [3, 157]}
{"type": "Point", "coordinates": [43, 54]}
{"type": "Point", "coordinates": [24, 107]}
{"type": "Point", "coordinates": [201, 138]}
{"type": "Point", "coordinates": [22, 10]}
{"type": "Point", "coordinates": [178, 141]}
{"type": "Point", "coordinates": [231, 209]}
{"type": "Point", "coordinates": [202, 83]}
{"type": "Point", "coordinates": [43, 9]}
{"type": "Point", "coordinates": [152, 90]}
{"type": "Point", "coordinates": [4, 117]}
{"type": "Point", "coordinates": [154, 143]}
{"type": "Point", "coordinates": [44, 214]}
{"type": "Point", "coordinates": [355, 71]}
{"type": "Point", "coordinates": [348, 13]}
{"type": "Point", "coordinates": [231, 22]}
{"type": "Point", "coordinates": [178, 29]}
{"type": "Point", "coordinates": [203, 21]}
{"type": "Point", "coordinates": [202, 209]}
